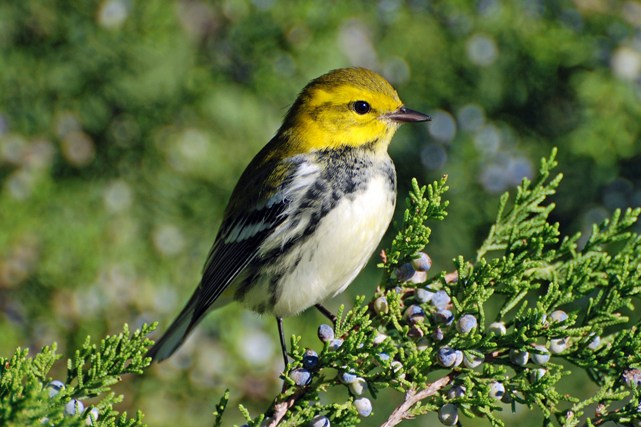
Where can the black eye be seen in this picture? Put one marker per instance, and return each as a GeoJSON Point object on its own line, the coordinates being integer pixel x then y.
{"type": "Point", "coordinates": [362, 107]}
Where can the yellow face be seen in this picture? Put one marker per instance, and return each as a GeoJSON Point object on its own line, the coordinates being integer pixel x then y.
{"type": "Point", "coordinates": [346, 107]}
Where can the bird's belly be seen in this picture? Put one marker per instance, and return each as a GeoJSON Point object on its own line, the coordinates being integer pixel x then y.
{"type": "Point", "coordinates": [327, 262]}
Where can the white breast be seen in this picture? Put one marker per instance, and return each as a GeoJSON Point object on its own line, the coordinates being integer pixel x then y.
{"type": "Point", "coordinates": [343, 242]}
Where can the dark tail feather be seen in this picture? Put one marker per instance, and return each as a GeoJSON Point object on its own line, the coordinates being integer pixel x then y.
{"type": "Point", "coordinates": [176, 334]}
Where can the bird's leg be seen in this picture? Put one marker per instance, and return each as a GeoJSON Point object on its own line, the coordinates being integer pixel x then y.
{"type": "Point", "coordinates": [326, 313]}
{"type": "Point", "coordinates": [283, 347]}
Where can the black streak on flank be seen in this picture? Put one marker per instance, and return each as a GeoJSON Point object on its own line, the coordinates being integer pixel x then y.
{"type": "Point", "coordinates": [346, 172]}
{"type": "Point", "coordinates": [274, 290]}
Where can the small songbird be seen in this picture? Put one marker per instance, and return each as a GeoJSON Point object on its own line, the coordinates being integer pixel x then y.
{"type": "Point", "coordinates": [309, 210]}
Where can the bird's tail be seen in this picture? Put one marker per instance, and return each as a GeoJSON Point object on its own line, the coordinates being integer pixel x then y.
{"type": "Point", "coordinates": [176, 333]}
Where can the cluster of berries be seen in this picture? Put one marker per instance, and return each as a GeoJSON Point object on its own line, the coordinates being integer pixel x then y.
{"type": "Point", "coordinates": [73, 407]}
{"type": "Point", "coordinates": [357, 385]}
{"type": "Point", "coordinates": [431, 304]}
{"type": "Point", "coordinates": [429, 312]}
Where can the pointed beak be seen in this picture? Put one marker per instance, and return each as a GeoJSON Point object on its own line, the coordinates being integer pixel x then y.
{"type": "Point", "coordinates": [405, 115]}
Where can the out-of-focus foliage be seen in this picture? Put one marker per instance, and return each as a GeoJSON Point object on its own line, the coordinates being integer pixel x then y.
{"type": "Point", "coordinates": [124, 125]}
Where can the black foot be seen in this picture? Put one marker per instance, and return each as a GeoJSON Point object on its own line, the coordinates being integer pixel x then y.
{"type": "Point", "coordinates": [326, 313]}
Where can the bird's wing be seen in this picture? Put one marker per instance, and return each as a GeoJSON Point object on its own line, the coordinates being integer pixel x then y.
{"type": "Point", "coordinates": [243, 233]}
{"type": "Point", "coordinates": [236, 246]}
{"type": "Point", "coordinates": [256, 209]}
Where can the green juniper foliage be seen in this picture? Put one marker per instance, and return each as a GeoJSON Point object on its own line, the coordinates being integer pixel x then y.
{"type": "Point", "coordinates": [220, 409]}
{"type": "Point", "coordinates": [29, 397]}
{"type": "Point", "coordinates": [414, 233]}
{"type": "Point", "coordinates": [497, 329]}
{"type": "Point", "coordinates": [552, 300]}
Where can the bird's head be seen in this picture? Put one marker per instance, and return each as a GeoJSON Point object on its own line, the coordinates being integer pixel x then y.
{"type": "Point", "coordinates": [346, 107]}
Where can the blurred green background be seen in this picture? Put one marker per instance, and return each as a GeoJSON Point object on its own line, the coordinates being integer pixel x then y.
{"type": "Point", "coordinates": [124, 125]}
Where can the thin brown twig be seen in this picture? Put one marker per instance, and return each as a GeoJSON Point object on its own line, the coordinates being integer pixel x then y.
{"type": "Point", "coordinates": [412, 397]}
{"type": "Point", "coordinates": [280, 409]}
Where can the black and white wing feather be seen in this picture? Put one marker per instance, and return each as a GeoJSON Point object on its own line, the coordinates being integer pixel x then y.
{"type": "Point", "coordinates": [235, 247]}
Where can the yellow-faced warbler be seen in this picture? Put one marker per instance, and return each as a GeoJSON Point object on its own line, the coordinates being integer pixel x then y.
{"type": "Point", "coordinates": [309, 210]}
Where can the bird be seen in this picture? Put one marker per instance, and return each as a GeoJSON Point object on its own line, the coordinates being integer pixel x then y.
{"type": "Point", "coordinates": [310, 208]}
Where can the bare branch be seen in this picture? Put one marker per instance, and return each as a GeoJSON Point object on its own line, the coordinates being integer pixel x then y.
{"type": "Point", "coordinates": [281, 408]}
{"type": "Point", "coordinates": [411, 398]}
